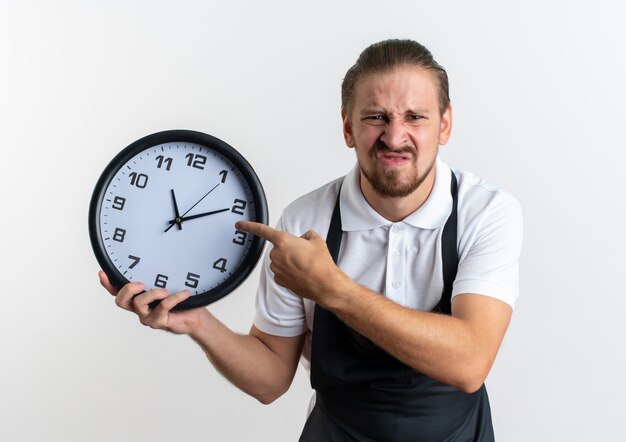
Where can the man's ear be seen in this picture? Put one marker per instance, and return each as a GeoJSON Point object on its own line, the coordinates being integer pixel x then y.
{"type": "Point", "coordinates": [445, 126]}
{"type": "Point", "coordinates": [347, 130]}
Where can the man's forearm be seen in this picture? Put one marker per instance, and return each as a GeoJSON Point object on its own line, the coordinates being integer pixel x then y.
{"type": "Point", "coordinates": [458, 350]}
{"type": "Point", "coordinates": [246, 361]}
{"type": "Point", "coordinates": [447, 348]}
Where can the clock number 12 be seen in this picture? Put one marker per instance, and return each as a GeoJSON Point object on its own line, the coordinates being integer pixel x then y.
{"type": "Point", "coordinates": [196, 161]}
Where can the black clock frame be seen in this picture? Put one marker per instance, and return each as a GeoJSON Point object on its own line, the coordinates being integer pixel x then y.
{"type": "Point", "coordinates": [256, 249]}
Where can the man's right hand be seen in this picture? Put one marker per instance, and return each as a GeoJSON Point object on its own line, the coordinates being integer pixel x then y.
{"type": "Point", "coordinates": [131, 298]}
{"type": "Point", "coordinates": [259, 364]}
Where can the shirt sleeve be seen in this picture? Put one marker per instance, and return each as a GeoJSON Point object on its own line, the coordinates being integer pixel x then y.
{"type": "Point", "coordinates": [279, 312]}
{"type": "Point", "coordinates": [489, 257]}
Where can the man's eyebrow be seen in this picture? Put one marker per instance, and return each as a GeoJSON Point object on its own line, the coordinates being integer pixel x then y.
{"type": "Point", "coordinates": [418, 111]}
{"type": "Point", "coordinates": [371, 110]}
{"type": "Point", "coordinates": [379, 110]}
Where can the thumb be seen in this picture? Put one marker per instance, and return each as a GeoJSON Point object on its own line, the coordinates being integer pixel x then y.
{"type": "Point", "coordinates": [311, 235]}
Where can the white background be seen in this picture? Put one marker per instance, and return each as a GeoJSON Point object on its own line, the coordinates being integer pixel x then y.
{"type": "Point", "coordinates": [538, 94]}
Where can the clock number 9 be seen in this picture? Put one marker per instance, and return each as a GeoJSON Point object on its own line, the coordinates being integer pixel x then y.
{"type": "Point", "coordinates": [238, 207]}
{"type": "Point", "coordinates": [118, 203]}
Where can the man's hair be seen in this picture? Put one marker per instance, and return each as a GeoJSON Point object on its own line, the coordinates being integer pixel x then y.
{"type": "Point", "coordinates": [387, 55]}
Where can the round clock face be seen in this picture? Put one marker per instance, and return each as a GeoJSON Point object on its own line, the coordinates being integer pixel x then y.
{"type": "Point", "coordinates": [164, 213]}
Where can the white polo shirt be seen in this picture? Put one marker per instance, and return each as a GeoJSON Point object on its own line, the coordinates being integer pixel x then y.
{"type": "Point", "coordinates": [402, 260]}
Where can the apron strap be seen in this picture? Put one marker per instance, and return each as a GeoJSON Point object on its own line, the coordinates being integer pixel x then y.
{"type": "Point", "coordinates": [449, 254]}
{"type": "Point", "coordinates": [333, 239]}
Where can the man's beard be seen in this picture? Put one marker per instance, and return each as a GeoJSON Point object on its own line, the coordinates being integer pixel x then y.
{"type": "Point", "coordinates": [387, 183]}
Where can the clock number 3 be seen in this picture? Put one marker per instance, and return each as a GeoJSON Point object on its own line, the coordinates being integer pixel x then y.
{"type": "Point", "coordinates": [241, 238]}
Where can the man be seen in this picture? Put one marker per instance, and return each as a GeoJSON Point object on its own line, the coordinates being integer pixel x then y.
{"type": "Point", "coordinates": [401, 332]}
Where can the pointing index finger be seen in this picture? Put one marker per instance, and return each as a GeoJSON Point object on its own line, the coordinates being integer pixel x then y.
{"type": "Point", "coordinates": [260, 230]}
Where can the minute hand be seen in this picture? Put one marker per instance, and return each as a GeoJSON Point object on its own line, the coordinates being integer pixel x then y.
{"type": "Point", "coordinates": [199, 215]}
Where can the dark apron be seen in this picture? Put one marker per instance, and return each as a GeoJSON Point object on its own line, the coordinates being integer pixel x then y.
{"type": "Point", "coordinates": [364, 394]}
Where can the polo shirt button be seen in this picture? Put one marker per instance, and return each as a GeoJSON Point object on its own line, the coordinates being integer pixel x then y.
{"type": "Point", "coordinates": [395, 254]}
{"type": "Point", "coordinates": [396, 285]}
{"type": "Point", "coordinates": [395, 229]}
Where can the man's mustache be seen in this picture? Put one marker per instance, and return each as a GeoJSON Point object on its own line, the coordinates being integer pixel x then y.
{"type": "Point", "coordinates": [380, 146]}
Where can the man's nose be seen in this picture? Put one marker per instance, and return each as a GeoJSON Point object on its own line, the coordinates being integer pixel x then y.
{"type": "Point", "coordinates": [395, 134]}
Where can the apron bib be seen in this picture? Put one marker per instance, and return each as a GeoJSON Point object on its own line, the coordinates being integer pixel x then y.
{"type": "Point", "coordinates": [363, 394]}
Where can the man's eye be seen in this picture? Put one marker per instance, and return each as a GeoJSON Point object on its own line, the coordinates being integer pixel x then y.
{"type": "Point", "coordinates": [375, 119]}
{"type": "Point", "coordinates": [414, 119]}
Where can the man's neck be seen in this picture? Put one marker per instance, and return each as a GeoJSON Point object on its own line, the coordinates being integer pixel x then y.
{"type": "Point", "coordinates": [397, 209]}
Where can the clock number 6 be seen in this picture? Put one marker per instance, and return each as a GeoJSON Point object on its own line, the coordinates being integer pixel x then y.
{"type": "Point", "coordinates": [238, 206]}
{"type": "Point", "coordinates": [160, 281]}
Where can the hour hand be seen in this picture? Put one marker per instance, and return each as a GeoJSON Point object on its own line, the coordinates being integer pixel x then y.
{"type": "Point", "coordinates": [178, 221]}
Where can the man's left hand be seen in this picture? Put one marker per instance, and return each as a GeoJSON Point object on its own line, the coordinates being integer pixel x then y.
{"type": "Point", "coordinates": [301, 264]}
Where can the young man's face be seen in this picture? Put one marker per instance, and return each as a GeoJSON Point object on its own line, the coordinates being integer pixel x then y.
{"type": "Point", "coordinates": [396, 128]}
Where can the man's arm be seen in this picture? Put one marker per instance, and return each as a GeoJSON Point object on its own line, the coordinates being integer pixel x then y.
{"type": "Point", "coordinates": [458, 350]}
{"type": "Point", "coordinates": [259, 364]}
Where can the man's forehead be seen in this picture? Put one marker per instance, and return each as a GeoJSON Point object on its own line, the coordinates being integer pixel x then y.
{"type": "Point", "coordinates": [411, 86]}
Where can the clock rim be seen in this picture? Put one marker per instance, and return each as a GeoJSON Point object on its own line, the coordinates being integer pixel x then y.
{"type": "Point", "coordinates": [252, 257]}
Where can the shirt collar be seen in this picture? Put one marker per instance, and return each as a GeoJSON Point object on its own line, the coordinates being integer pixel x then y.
{"type": "Point", "coordinates": [357, 214]}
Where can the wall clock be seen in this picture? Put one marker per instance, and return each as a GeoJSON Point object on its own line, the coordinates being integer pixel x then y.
{"type": "Point", "coordinates": [164, 210]}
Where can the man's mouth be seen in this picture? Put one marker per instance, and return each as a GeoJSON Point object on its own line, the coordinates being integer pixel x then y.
{"type": "Point", "coordinates": [392, 159]}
